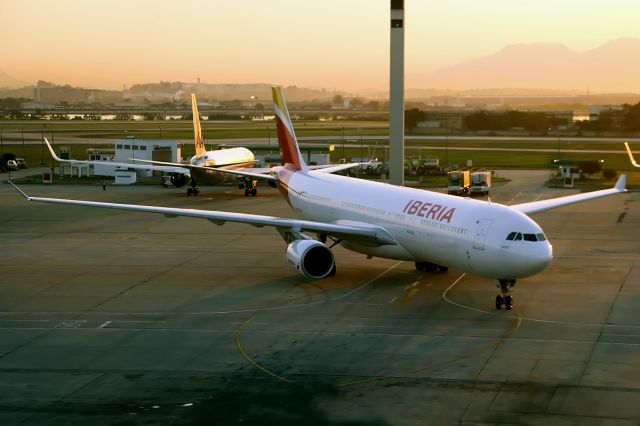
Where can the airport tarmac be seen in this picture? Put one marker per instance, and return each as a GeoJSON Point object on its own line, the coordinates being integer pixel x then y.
{"type": "Point", "coordinates": [131, 318]}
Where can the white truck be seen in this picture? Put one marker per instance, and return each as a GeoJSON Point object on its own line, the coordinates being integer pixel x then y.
{"type": "Point", "coordinates": [480, 183]}
{"type": "Point", "coordinates": [458, 182]}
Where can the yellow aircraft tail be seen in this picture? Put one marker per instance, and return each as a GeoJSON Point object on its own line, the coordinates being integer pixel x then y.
{"type": "Point", "coordinates": [197, 130]}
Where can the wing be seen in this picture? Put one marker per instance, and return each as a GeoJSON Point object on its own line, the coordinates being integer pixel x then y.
{"type": "Point", "coordinates": [332, 168]}
{"type": "Point", "coordinates": [188, 166]}
{"type": "Point", "coordinates": [354, 231]}
{"type": "Point", "coordinates": [633, 161]}
{"type": "Point", "coordinates": [174, 168]}
{"type": "Point", "coordinates": [263, 173]}
{"type": "Point", "coordinates": [540, 206]}
{"type": "Point", "coordinates": [254, 173]}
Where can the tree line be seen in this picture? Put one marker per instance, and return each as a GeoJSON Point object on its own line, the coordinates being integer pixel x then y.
{"type": "Point", "coordinates": [626, 119]}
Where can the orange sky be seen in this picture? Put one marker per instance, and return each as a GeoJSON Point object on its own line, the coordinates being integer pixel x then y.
{"type": "Point", "coordinates": [339, 44]}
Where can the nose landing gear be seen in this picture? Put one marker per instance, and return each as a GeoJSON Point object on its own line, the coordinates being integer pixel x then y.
{"type": "Point", "coordinates": [504, 299]}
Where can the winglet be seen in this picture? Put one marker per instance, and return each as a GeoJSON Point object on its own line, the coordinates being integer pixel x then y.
{"type": "Point", "coordinates": [621, 184]}
{"type": "Point", "coordinates": [53, 154]}
{"type": "Point", "coordinates": [289, 150]}
{"type": "Point", "coordinates": [633, 161]}
{"type": "Point", "coordinates": [20, 191]}
{"type": "Point", "coordinates": [197, 129]}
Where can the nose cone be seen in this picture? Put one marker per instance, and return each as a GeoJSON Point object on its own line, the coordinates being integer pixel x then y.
{"type": "Point", "coordinates": [535, 259]}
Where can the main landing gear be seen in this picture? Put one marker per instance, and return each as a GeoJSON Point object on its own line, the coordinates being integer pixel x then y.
{"type": "Point", "coordinates": [430, 267]}
{"type": "Point", "coordinates": [504, 299]}
{"type": "Point", "coordinates": [193, 190]}
{"type": "Point", "coordinates": [249, 186]}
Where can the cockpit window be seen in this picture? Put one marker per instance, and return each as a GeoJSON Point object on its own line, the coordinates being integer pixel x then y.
{"type": "Point", "coordinates": [517, 236]}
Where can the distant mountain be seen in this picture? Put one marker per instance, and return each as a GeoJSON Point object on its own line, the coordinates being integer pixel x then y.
{"type": "Point", "coordinates": [9, 82]}
{"type": "Point", "coordinates": [612, 67]}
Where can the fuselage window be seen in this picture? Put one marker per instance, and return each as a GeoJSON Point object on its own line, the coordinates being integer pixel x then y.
{"type": "Point", "coordinates": [530, 237]}
{"type": "Point", "coordinates": [541, 237]}
{"type": "Point", "coordinates": [511, 236]}
{"type": "Point", "coordinates": [518, 237]}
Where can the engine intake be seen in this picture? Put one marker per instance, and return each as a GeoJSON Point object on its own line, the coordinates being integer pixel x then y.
{"type": "Point", "coordinates": [310, 258]}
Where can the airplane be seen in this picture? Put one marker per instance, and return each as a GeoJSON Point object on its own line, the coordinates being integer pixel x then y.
{"type": "Point", "coordinates": [207, 167]}
{"type": "Point", "coordinates": [633, 161]}
{"type": "Point", "coordinates": [434, 230]}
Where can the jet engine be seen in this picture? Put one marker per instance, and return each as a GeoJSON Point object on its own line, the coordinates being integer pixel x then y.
{"type": "Point", "coordinates": [310, 258]}
{"type": "Point", "coordinates": [178, 180]}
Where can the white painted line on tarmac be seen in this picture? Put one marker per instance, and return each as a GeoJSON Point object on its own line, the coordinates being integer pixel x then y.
{"type": "Point", "coordinates": [104, 324]}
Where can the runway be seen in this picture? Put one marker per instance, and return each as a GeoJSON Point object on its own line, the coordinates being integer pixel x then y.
{"type": "Point", "coordinates": [118, 317]}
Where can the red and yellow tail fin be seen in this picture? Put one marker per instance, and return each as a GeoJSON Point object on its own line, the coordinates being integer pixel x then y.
{"type": "Point", "coordinates": [289, 150]}
{"type": "Point", "coordinates": [197, 130]}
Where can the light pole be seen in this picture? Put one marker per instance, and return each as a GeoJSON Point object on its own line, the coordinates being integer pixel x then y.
{"type": "Point", "coordinates": [446, 147]}
{"type": "Point", "coordinates": [132, 140]}
{"type": "Point", "coordinates": [343, 160]}
{"type": "Point", "coordinates": [23, 152]}
{"type": "Point", "coordinates": [42, 144]}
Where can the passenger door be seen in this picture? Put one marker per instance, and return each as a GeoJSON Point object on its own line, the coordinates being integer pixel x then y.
{"type": "Point", "coordinates": [481, 229]}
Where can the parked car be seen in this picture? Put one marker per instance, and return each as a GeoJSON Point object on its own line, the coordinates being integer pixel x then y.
{"type": "Point", "coordinates": [21, 163]}
{"type": "Point", "coordinates": [12, 165]}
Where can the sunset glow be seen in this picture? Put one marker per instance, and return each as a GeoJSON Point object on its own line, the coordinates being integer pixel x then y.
{"type": "Point", "coordinates": [329, 43]}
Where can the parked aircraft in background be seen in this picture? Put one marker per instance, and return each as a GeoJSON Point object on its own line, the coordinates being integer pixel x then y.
{"type": "Point", "coordinates": [633, 161]}
{"type": "Point", "coordinates": [205, 167]}
{"type": "Point", "coordinates": [434, 230]}
{"type": "Point", "coordinates": [209, 167]}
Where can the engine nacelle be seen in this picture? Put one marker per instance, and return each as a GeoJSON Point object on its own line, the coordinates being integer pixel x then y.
{"type": "Point", "coordinates": [311, 258]}
{"type": "Point", "coordinates": [178, 180]}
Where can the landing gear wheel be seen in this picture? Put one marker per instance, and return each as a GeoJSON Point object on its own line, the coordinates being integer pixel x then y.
{"type": "Point", "coordinates": [419, 266]}
{"type": "Point", "coordinates": [508, 302]}
{"type": "Point", "coordinates": [504, 298]}
{"type": "Point", "coordinates": [194, 190]}
{"type": "Point", "coordinates": [254, 192]}
{"type": "Point", "coordinates": [246, 192]}
{"type": "Point", "coordinates": [442, 269]}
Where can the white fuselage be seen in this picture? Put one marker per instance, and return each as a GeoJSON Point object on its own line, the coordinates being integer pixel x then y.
{"type": "Point", "coordinates": [237, 157]}
{"type": "Point", "coordinates": [463, 233]}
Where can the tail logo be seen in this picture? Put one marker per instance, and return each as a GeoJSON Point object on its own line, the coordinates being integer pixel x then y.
{"type": "Point", "coordinates": [289, 152]}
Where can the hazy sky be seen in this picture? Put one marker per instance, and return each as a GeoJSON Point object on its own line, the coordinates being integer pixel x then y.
{"type": "Point", "coordinates": [341, 44]}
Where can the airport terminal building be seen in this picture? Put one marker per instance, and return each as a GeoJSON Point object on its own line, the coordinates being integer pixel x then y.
{"type": "Point", "coordinates": [125, 151]}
